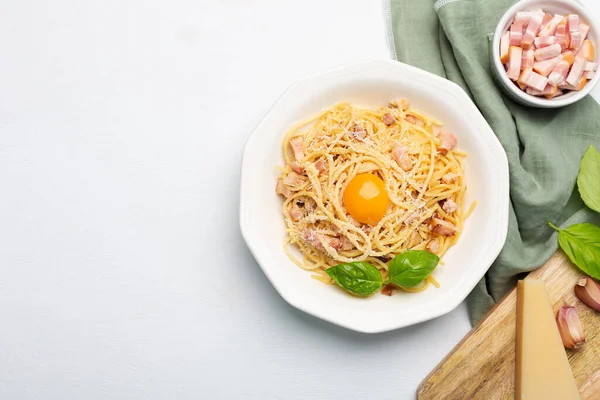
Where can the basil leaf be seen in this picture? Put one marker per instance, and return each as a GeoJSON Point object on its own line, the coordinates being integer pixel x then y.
{"type": "Point", "coordinates": [411, 267]}
{"type": "Point", "coordinates": [588, 180]}
{"type": "Point", "coordinates": [581, 243]}
{"type": "Point", "coordinates": [358, 278]}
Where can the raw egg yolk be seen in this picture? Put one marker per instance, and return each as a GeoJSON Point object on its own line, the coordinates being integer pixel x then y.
{"type": "Point", "coordinates": [366, 199]}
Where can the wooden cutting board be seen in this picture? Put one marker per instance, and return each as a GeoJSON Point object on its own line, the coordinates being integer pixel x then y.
{"type": "Point", "coordinates": [482, 365]}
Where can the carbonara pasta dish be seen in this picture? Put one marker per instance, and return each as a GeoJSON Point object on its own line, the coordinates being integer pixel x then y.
{"type": "Point", "coordinates": [365, 185]}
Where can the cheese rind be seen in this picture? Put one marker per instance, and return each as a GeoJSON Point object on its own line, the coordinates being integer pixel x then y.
{"type": "Point", "coordinates": [542, 366]}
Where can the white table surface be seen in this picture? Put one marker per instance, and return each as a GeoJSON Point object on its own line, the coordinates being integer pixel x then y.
{"type": "Point", "coordinates": [123, 274]}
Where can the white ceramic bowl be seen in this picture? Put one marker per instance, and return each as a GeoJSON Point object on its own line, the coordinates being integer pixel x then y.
{"type": "Point", "coordinates": [373, 84]}
{"type": "Point", "coordinates": [552, 7]}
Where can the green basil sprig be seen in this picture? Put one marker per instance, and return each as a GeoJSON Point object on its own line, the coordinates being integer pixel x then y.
{"type": "Point", "coordinates": [581, 243]}
{"type": "Point", "coordinates": [411, 267]}
{"type": "Point", "coordinates": [588, 180]}
{"type": "Point", "coordinates": [359, 278]}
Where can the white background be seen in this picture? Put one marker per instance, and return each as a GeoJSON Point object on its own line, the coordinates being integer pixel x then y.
{"type": "Point", "coordinates": [123, 274]}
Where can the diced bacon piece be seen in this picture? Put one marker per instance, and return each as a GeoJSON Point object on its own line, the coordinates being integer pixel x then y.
{"type": "Point", "coordinates": [573, 22]}
{"type": "Point", "coordinates": [296, 213]}
{"type": "Point", "coordinates": [527, 41]}
{"type": "Point", "coordinates": [549, 90]}
{"type": "Point", "coordinates": [523, 17]}
{"type": "Point", "coordinates": [534, 80]}
{"type": "Point", "coordinates": [582, 82]}
{"type": "Point", "coordinates": [527, 59]}
{"type": "Point", "coordinates": [514, 62]}
{"type": "Point", "coordinates": [282, 189]}
{"type": "Point", "coordinates": [561, 34]}
{"type": "Point", "coordinates": [566, 86]}
{"type": "Point", "coordinates": [433, 246]}
{"type": "Point", "coordinates": [388, 290]}
{"type": "Point", "coordinates": [504, 45]}
{"type": "Point", "coordinates": [441, 227]}
{"type": "Point", "coordinates": [559, 73]}
{"type": "Point", "coordinates": [558, 93]}
{"type": "Point", "coordinates": [450, 177]}
{"type": "Point", "coordinates": [388, 119]}
{"type": "Point", "coordinates": [547, 18]}
{"type": "Point", "coordinates": [548, 52]}
{"type": "Point", "coordinates": [584, 29]}
{"type": "Point", "coordinates": [533, 92]}
{"type": "Point", "coordinates": [296, 167]}
{"type": "Point", "coordinates": [561, 28]}
{"type": "Point", "coordinates": [576, 71]}
{"type": "Point", "coordinates": [346, 244]}
{"type": "Point", "coordinates": [412, 217]}
{"type": "Point", "coordinates": [544, 41]}
{"type": "Point", "coordinates": [400, 154]}
{"type": "Point", "coordinates": [319, 240]}
{"type": "Point", "coordinates": [297, 145]}
{"type": "Point", "coordinates": [414, 120]}
{"type": "Point", "coordinates": [516, 34]}
{"type": "Point", "coordinates": [587, 50]}
{"type": "Point", "coordinates": [294, 180]}
{"type": "Point", "coordinates": [549, 28]}
{"type": "Point", "coordinates": [546, 66]}
{"type": "Point", "coordinates": [358, 132]}
{"type": "Point", "coordinates": [449, 206]}
{"type": "Point", "coordinates": [590, 66]}
{"type": "Point", "coordinates": [321, 166]}
{"type": "Point", "coordinates": [522, 77]}
{"type": "Point", "coordinates": [589, 74]}
{"type": "Point", "coordinates": [562, 40]}
{"type": "Point", "coordinates": [576, 39]}
{"type": "Point", "coordinates": [447, 142]}
{"type": "Point", "coordinates": [569, 57]}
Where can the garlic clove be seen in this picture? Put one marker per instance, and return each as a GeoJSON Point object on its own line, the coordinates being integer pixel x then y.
{"type": "Point", "coordinates": [569, 326]}
{"type": "Point", "coordinates": [588, 291]}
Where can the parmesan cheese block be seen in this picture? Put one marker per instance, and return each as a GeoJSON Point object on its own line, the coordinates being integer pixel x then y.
{"type": "Point", "coordinates": [542, 367]}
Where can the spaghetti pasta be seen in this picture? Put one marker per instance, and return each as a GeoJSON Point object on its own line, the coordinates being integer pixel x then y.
{"type": "Point", "coordinates": [422, 172]}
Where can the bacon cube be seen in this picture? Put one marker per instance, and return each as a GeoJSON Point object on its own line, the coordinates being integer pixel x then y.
{"type": "Point", "coordinates": [515, 55]}
{"type": "Point", "coordinates": [523, 17]}
{"type": "Point", "coordinates": [533, 80]}
{"type": "Point", "coordinates": [590, 66]}
{"type": "Point", "coordinates": [504, 46]}
{"type": "Point", "coordinates": [544, 41]}
{"type": "Point", "coordinates": [516, 34]}
{"type": "Point", "coordinates": [587, 50]}
{"type": "Point", "coordinates": [559, 73]}
{"type": "Point", "coordinates": [548, 52]}
{"type": "Point", "coordinates": [573, 22]}
{"type": "Point", "coordinates": [568, 56]}
{"type": "Point", "coordinates": [527, 60]}
{"type": "Point", "coordinates": [545, 67]}
{"type": "Point", "coordinates": [576, 72]}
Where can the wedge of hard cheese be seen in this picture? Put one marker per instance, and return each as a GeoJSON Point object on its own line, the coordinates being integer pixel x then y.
{"type": "Point", "coordinates": [542, 367]}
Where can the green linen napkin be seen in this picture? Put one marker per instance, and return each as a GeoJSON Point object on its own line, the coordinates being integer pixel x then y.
{"type": "Point", "coordinates": [451, 38]}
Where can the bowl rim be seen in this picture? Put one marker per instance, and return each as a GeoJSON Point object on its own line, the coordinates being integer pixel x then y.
{"type": "Point", "coordinates": [530, 99]}
{"type": "Point", "coordinates": [455, 295]}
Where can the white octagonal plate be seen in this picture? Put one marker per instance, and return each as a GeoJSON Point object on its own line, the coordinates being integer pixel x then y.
{"type": "Point", "coordinates": [373, 84]}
